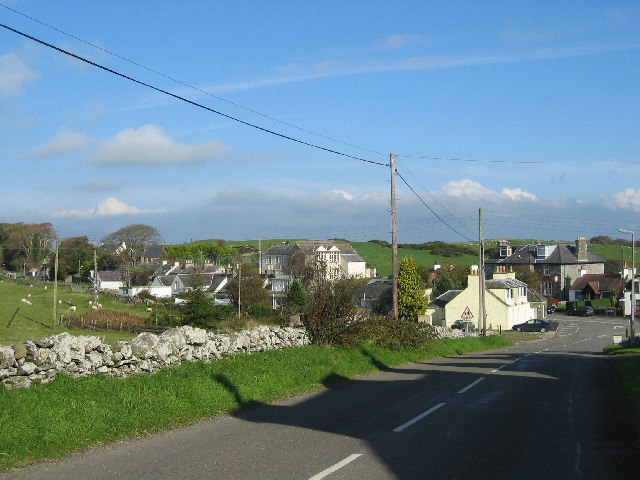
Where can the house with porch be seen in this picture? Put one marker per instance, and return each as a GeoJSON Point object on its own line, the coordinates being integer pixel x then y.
{"type": "Point", "coordinates": [593, 286]}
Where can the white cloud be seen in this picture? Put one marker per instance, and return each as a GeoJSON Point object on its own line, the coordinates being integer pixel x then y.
{"type": "Point", "coordinates": [518, 194]}
{"type": "Point", "coordinates": [628, 199]}
{"type": "Point", "coordinates": [149, 145]}
{"type": "Point", "coordinates": [472, 190]}
{"type": "Point", "coordinates": [14, 74]}
{"type": "Point", "coordinates": [343, 194]}
{"type": "Point", "coordinates": [63, 144]}
{"type": "Point", "coordinates": [110, 206]}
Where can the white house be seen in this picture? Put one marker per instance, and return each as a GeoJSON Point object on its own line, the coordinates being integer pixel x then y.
{"type": "Point", "coordinates": [506, 303]}
{"type": "Point", "coordinates": [156, 291]}
{"type": "Point", "coordinates": [110, 280]}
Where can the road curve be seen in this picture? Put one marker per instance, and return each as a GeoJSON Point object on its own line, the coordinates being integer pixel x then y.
{"type": "Point", "coordinates": [548, 408]}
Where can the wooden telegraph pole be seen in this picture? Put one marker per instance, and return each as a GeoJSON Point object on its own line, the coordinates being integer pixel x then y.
{"type": "Point", "coordinates": [482, 315]}
{"type": "Point", "coordinates": [55, 288]}
{"type": "Point", "coordinates": [394, 235]}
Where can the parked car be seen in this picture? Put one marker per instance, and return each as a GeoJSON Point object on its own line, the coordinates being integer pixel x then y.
{"type": "Point", "coordinates": [551, 309]}
{"type": "Point", "coordinates": [582, 311]}
{"type": "Point", "coordinates": [461, 325]}
{"type": "Point", "coordinates": [535, 325]}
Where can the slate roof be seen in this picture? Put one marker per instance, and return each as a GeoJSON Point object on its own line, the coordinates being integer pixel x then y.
{"type": "Point", "coordinates": [352, 257]}
{"type": "Point", "coordinates": [283, 249]}
{"type": "Point", "coordinates": [309, 246]}
{"type": "Point", "coordinates": [445, 298]}
{"type": "Point", "coordinates": [535, 297]}
{"type": "Point", "coordinates": [561, 255]}
{"type": "Point", "coordinates": [165, 280]}
{"type": "Point", "coordinates": [503, 283]}
{"type": "Point", "coordinates": [374, 289]}
{"type": "Point", "coordinates": [110, 276]}
{"type": "Point", "coordinates": [153, 252]}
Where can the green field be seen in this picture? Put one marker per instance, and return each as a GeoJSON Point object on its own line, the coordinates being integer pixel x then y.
{"type": "Point", "coordinates": [19, 321]}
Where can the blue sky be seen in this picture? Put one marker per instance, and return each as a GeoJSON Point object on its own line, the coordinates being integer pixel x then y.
{"type": "Point", "coordinates": [528, 110]}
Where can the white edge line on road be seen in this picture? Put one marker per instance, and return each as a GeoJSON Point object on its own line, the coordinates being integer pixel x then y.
{"type": "Point", "coordinates": [418, 418]}
{"type": "Point", "coordinates": [471, 385]}
{"type": "Point", "coordinates": [499, 368]}
{"type": "Point", "coordinates": [336, 467]}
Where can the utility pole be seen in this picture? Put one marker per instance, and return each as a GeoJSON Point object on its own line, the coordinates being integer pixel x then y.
{"type": "Point", "coordinates": [95, 275]}
{"type": "Point", "coordinates": [482, 315]}
{"type": "Point", "coordinates": [394, 235]}
{"type": "Point", "coordinates": [55, 288]}
{"type": "Point", "coordinates": [239, 283]}
{"type": "Point", "coordinates": [632, 316]}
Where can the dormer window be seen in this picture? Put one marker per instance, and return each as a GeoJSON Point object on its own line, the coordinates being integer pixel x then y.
{"type": "Point", "coordinates": [504, 251]}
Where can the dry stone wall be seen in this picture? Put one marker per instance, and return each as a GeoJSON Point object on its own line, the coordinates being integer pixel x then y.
{"type": "Point", "coordinates": [40, 361]}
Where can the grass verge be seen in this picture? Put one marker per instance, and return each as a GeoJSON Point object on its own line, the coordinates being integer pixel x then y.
{"type": "Point", "coordinates": [68, 414]}
{"type": "Point", "coordinates": [628, 376]}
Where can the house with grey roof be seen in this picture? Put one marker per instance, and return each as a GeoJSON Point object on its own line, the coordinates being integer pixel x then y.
{"type": "Point", "coordinates": [557, 265]}
{"type": "Point", "coordinates": [151, 254]}
{"type": "Point", "coordinates": [368, 295]}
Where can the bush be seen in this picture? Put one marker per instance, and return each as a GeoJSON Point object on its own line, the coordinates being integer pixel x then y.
{"type": "Point", "coordinates": [386, 332]}
{"type": "Point", "coordinates": [260, 310]}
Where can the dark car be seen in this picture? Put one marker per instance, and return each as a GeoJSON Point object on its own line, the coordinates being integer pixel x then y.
{"type": "Point", "coordinates": [551, 309]}
{"type": "Point", "coordinates": [461, 325]}
{"type": "Point", "coordinates": [535, 325]}
{"type": "Point", "coordinates": [582, 311]}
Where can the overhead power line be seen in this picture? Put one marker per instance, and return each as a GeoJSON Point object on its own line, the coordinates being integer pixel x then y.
{"type": "Point", "coordinates": [185, 84]}
{"type": "Point", "coordinates": [196, 104]}
{"type": "Point", "coordinates": [430, 209]}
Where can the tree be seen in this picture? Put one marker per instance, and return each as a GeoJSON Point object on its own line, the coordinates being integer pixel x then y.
{"type": "Point", "coordinates": [32, 242]}
{"type": "Point", "coordinates": [296, 299]}
{"type": "Point", "coordinates": [75, 256]}
{"type": "Point", "coordinates": [136, 237]}
{"type": "Point", "coordinates": [251, 288]}
{"type": "Point", "coordinates": [411, 300]}
{"type": "Point", "coordinates": [451, 276]}
{"type": "Point", "coordinates": [528, 276]}
{"type": "Point", "coordinates": [199, 310]}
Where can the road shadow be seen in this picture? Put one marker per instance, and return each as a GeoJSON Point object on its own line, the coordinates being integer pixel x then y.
{"type": "Point", "coordinates": [490, 423]}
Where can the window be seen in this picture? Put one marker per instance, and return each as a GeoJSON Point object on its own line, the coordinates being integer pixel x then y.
{"type": "Point", "coordinates": [509, 293]}
{"type": "Point", "coordinates": [547, 288]}
{"type": "Point", "coordinates": [545, 269]}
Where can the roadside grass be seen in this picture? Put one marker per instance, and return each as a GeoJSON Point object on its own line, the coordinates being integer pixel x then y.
{"type": "Point", "coordinates": [52, 420]}
{"type": "Point", "coordinates": [628, 375]}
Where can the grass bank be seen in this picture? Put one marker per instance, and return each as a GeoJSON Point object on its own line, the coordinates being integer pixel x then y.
{"type": "Point", "coordinates": [628, 375]}
{"type": "Point", "coordinates": [72, 414]}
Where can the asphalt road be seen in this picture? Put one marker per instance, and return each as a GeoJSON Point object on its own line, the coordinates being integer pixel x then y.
{"type": "Point", "coordinates": [547, 409]}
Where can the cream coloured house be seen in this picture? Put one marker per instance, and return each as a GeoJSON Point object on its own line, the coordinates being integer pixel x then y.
{"type": "Point", "coordinates": [506, 303]}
